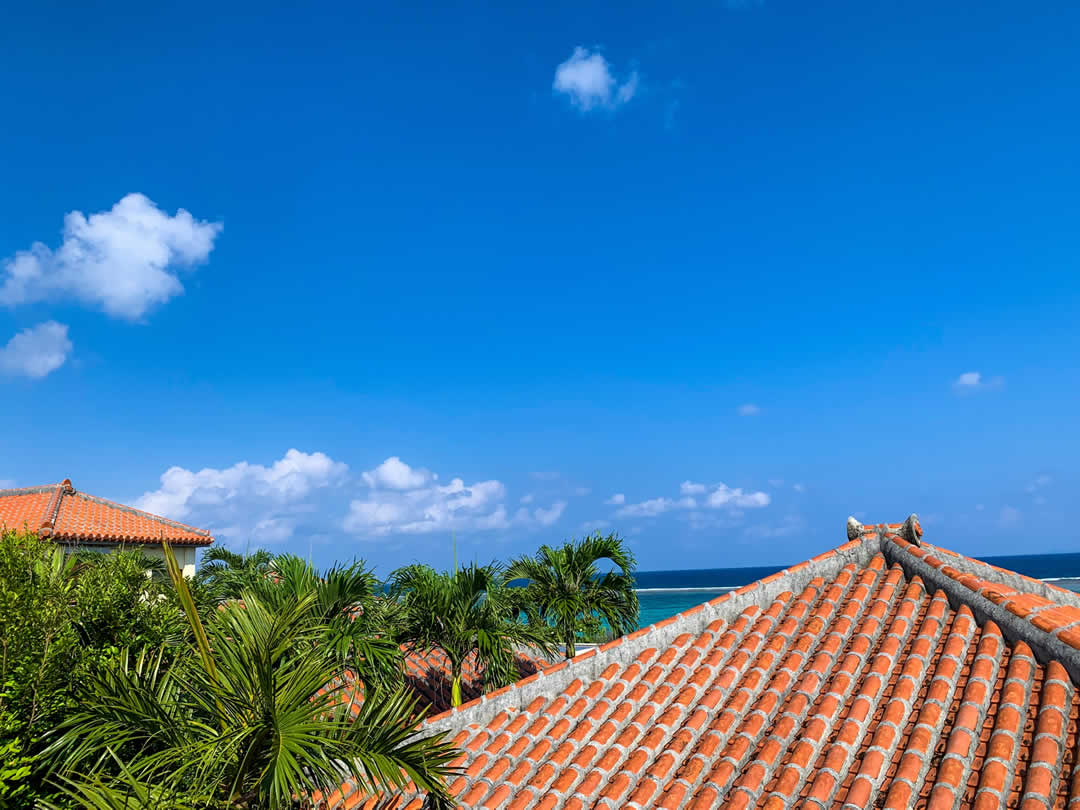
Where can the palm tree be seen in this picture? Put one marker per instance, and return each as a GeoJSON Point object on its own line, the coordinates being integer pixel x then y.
{"type": "Point", "coordinates": [254, 714]}
{"type": "Point", "coordinates": [227, 573]}
{"type": "Point", "coordinates": [467, 612]}
{"type": "Point", "coordinates": [571, 594]}
{"type": "Point", "coordinates": [357, 618]}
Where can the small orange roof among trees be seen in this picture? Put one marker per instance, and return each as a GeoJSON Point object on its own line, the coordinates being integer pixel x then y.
{"type": "Point", "coordinates": [68, 516]}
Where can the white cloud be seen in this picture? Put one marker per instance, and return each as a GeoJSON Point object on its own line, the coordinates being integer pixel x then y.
{"type": "Point", "coordinates": [749, 409]}
{"type": "Point", "coordinates": [7, 483]}
{"type": "Point", "coordinates": [979, 507]}
{"type": "Point", "coordinates": [618, 499]}
{"type": "Point", "coordinates": [799, 487]}
{"type": "Point", "coordinates": [407, 500]}
{"type": "Point", "coordinates": [776, 482]}
{"type": "Point", "coordinates": [587, 80]}
{"type": "Point", "coordinates": [1009, 516]}
{"type": "Point", "coordinates": [37, 351]}
{"type": "Point", "coordinates": [650, 508]}
{"type": "Point", "coordinates": [719, 496]}
{"type": "Point", "coordinates": [971, 381]}
{"type": "Point", "coordinates": [724, 497]}
{"type": "Point", "coordinates": [546, 475]}
{"type": "Point", "coordinates": [582, 491]}
{"type": "Point", "coordinates": [1039, 483]}
{"type": "Point", "coordinates": [396, 474]}
{"type": "Point", "coordinates": [122, 260]}
{"type": "Point", "coordinates": [246, 502]}
{"type": "Point", "coordinates": [528, 498]}
{"type": "Point", "coordinates": [545, 517]}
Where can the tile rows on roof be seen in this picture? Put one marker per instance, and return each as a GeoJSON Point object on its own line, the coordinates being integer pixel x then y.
{"type": "Point", "coordinates": [863, 691]}
{"type": "Point", "coordinates": [60, 512]}
{"type": "Point", "coordinates": [1061, 620]}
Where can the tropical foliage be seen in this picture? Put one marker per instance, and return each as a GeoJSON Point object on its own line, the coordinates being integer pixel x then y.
{"type": "Point", "coordinates": [253, 713]}
{"type": "Point", "coordinates": [226, 573]}
{"type": "Point", "coordinates": [571, 593]}
{"type": "Point", "coordinates": [263, 679]}
{"type": "Point", "coordinates": [468, 612]}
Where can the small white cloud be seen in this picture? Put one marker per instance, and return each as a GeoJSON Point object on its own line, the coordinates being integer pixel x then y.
{"type": "Point", "coordinates": [749, 409]}
{"type": "Point", "coordinates": [725, 497]}
{"type": "Point", "coordinates": [409, 500]}
{"type": "Point", "coordinates": [246, 502]}
{"type": "Point", "coordinates": [1009, 516]}
{"type": "Point", "coordinates": [798, 487]}
{"type": "Point", "coordinates": [618, 499]}
{"type": "Point", "coordinates": [582, 491]}
{"type": "Point", "coordinates": [971, 381]}
{"type": "Point", "coordinates": [545, 517]}
{"type": "Point", "coordinates": [36, 352]}
{"type": "Point", "coordinates": [546, 476]}
{"type": "Point", "coordinates": [123, 260]}
{"type": "Point", "coordinates": [719, 496]}
{"type": "Point", "coordinates": [775, 483]}
{"type": "Point", "coordinates": [7, 483]}
{"type": "Point", "coordinates": [979, 507]}
{"type": "Point", "coordinates": [586, 79]}
{"type": "Point", "coordinates": [396, 474]}
{"type": "Point", "coordinates": [1039, 483]}
{"type": "Point", "coordinates": [650, 508]}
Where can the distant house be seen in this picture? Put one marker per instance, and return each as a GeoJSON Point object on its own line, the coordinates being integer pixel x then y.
{"type": "Point", "coordinates": [81, 521]}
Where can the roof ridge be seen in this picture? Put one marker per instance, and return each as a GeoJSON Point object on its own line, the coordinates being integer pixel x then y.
{"type": "Point", "coordinates": [52, 509]}
{"type": "Point", "coordinates": [132, 510]}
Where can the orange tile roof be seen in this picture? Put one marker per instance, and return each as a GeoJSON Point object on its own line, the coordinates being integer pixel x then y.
{"type": "Point", "coordinates": [68, 516]}
{"type": "Point", "coordinates": [882, 674]}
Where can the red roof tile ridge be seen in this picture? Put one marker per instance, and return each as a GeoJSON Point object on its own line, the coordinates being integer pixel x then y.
{"type": "Point", "coordinates": [1045, 618]}
{"type": "Point", "coordinates": [131, 510]}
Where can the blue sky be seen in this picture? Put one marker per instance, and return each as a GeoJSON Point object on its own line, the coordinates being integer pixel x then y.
{"type": "Point", "coordinates": [715, 276]}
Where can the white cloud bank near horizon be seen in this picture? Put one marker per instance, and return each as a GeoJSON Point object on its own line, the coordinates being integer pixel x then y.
{"type": "Point", "coordinates": [587, 81]}
{"type": "Point", "coordinates": [248, 502]}
{"type": "Point", "coordinates": [123, 261]}
{"type": "Point", "coordinates": [697, 496]}
{"type": "Point", "coordinates": [36, 352]}
{"type": "Point", "coordinates": [409, 500]}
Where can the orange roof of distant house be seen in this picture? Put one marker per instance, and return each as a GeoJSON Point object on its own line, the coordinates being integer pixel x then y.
{"type": "Point", "coordinates": [60, 512]}
{"type": "Point", "coordinates": [883, 673]}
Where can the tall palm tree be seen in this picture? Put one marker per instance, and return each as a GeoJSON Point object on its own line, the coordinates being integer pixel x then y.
{"type": "Point", "coordinates": [569, 592]}
{"type": "Point", "coordinates": [467, 612]}
{"type": "Point", "coordinates": [254, 714]}
{"type": "Point", "coordinates": [227, 573]}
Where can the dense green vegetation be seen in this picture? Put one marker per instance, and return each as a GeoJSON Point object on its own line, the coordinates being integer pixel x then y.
{"type": "Point", "coordinates": [124, 686]}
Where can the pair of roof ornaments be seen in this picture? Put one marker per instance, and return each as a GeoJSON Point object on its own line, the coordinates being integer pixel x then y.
{"type": "Point", "coordinates": [910, 530]}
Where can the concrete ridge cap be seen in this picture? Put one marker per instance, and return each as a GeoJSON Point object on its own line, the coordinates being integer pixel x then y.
{"type": "Point", "coordinates": [1013, 628]}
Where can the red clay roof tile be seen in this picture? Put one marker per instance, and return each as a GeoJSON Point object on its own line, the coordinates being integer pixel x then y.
{"type": "Point", "coordinates": [68, 516]}
{"type": "Point", "coordinates": [859, 685]}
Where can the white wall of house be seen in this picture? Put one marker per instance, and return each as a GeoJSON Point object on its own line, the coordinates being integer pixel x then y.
{"type": "Point", "coordinates": [185, 555]}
